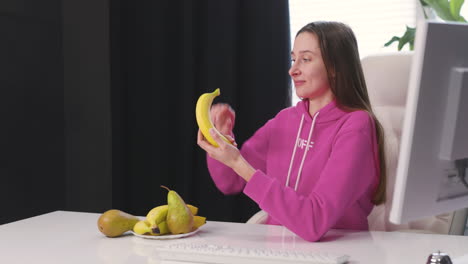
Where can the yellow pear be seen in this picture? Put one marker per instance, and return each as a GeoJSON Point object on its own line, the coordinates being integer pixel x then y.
{"type": "Point", "coordinates": [113, 223]}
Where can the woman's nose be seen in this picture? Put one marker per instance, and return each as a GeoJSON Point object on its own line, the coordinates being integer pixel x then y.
{"type": "Point", "coordinates": [293, 71]}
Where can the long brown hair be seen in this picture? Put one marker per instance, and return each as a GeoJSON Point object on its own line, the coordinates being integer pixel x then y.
{"type": "Point", "coordinates": [341, 58]}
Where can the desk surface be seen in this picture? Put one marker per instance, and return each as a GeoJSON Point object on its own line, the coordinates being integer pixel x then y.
{"type": "Point", "coordinates": [72, 237]}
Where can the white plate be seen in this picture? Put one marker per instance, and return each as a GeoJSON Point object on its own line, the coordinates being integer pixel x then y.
{"type": "Point", "coordinates": [166, 236]}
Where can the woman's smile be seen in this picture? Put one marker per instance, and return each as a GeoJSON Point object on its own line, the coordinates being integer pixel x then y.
{"type": "Point", "coordinates": [298, 83]}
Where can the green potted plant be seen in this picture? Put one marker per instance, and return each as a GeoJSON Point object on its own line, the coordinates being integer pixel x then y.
{"type": "Point", "coordinates": [447, 10]}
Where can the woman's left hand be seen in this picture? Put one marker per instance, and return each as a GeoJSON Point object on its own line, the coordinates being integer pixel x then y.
{"type": "Point", "coordinates": [225, 153]}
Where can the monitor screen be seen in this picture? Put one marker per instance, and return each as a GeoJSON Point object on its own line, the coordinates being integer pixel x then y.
{"type": "Point", "coordinates": [432, 167]}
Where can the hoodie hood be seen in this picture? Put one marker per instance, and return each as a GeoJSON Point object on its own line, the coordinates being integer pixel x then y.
{"type": "Point", "coordinates": [328, 113]}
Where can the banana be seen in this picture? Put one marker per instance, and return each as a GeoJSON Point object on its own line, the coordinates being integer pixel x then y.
{"type": "Point", "coordinates": [161, 228]}
{"type": "Point", "coordinates": [202, 112]}
{"type": "Point", "coordinates": [157, 215]}
{"type": "Point", "coordinates": [193, 209]}
{"type": "Point", "coordinates": [142, 228]}
{"type": "Point", "coordinates": [198, 221]}
{"type": "Point", "coordinates": [155, 223]}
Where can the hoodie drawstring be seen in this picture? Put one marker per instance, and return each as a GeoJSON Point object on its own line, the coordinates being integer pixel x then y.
{"type": "Point", "coordinates": [294, 150]}
{"type": "Point", "coordinates": [305, 152]}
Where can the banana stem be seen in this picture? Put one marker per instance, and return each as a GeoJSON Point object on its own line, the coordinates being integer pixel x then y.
{"type": "Point", "coordinates": [162, 186]}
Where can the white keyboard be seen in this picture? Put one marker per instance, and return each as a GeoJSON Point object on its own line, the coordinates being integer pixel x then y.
{"type": "Point", "coordinates": [206, 253]}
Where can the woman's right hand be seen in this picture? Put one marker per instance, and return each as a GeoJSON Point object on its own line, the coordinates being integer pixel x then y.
{"type": "Point", "coordinates": [223, 117]}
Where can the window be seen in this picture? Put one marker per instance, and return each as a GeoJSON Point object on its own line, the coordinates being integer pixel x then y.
{"type": "Point", "coordinates": [374, 22]}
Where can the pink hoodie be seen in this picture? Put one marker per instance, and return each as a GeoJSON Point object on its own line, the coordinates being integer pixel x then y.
{"type": "Point", "coordinates": [313, 173]}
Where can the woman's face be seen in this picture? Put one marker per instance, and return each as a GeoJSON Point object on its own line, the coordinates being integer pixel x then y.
{"type": "Point", "coordinates": [308, 70]}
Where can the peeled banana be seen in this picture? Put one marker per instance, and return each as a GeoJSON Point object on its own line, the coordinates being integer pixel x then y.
{"type": "Point", "coordinates": [202, 112]}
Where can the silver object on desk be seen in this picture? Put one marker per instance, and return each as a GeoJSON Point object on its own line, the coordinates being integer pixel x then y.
{"type": "Point", "coordinates": [439, 258]}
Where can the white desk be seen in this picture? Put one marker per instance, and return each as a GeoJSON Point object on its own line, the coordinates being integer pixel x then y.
{"type": "Point", "coordinates": [71, 237]}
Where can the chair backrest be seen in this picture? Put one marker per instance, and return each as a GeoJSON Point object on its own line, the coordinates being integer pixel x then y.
{"type": "Point", "coordinates": [387, 78]}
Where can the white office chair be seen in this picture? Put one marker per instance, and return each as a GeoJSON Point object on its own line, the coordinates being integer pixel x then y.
{"type": "Point", "coordinates": [387, 76]}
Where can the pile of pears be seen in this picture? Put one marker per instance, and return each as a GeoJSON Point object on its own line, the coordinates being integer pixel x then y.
{"type": "Point", "coordinates": [175, 217]}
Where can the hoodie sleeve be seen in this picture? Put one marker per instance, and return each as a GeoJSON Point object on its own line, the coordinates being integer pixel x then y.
{"type": "Point", "coordinates": [349, 174]}
{"type": "Point", "coordinates": [253, 150]}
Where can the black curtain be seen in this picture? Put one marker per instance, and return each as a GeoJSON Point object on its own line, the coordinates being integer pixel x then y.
{"type": "Point", "coordinates": [32, 163]}
{"type": "Point", "coordinates": [164, 55]}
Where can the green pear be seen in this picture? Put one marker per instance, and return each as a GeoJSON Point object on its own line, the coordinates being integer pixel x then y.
{"type": "Point", "coordinates": [113, 223]}
{"type": "Point", "coordinates": [179, 217]}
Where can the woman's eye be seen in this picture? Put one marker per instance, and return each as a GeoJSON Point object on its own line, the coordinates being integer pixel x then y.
{"type": "Point", "coordinates": [301, 60]}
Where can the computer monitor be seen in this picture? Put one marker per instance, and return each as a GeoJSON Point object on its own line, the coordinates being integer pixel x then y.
{"type": "Point", "coordinates": [432, 171]}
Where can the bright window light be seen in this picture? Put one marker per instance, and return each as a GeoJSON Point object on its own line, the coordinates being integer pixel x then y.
{"type": "Point", "coordinates": [374, 22]}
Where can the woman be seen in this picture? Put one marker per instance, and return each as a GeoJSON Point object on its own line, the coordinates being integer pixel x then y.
{"type": "Point", "coordinates": [317, 165]}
